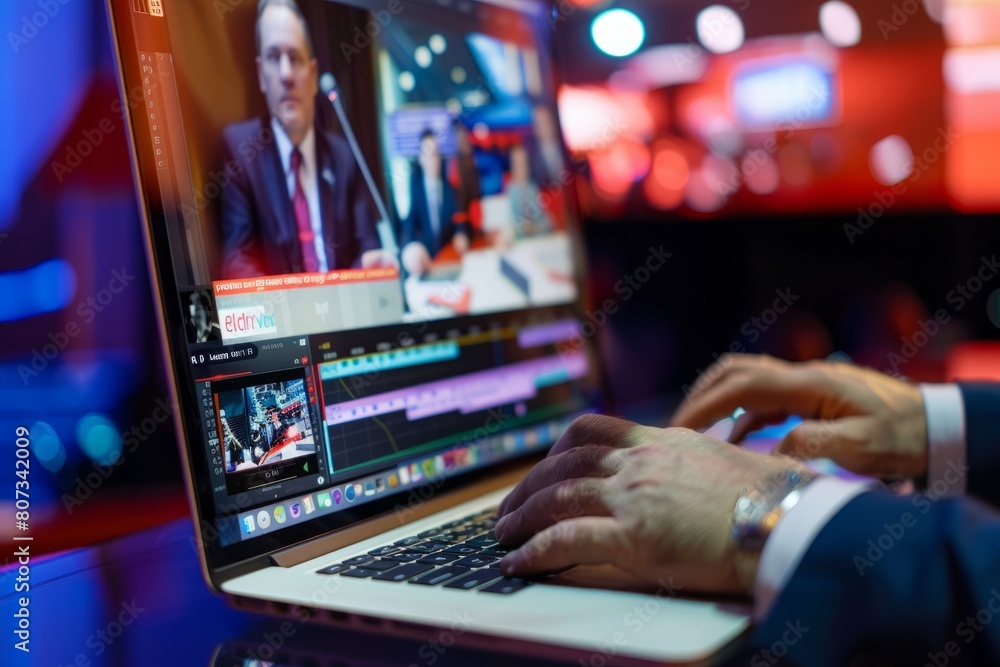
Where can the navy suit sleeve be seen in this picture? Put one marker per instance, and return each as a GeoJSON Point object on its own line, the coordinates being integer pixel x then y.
{"type": "Point", "coordinates": [982, 437]}
{"type": "Point", "coordinates": [241, 249]}
{"type": "Point", "coordinates": [890, 580]}
{"type": "Point", "coordinates": [410, 225]}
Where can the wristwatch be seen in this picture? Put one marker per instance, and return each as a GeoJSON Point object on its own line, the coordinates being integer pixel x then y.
{"type": "Point", "coordinates": [757, 512]}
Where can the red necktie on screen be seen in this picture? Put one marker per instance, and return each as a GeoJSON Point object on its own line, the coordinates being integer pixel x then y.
{"type": "Point", "coordinates": [307, 239]}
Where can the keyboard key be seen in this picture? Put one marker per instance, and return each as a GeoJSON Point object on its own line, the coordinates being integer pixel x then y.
{"type": "Point", "coordinates": [408, 542]}
{"type": "Point", "coordinates": [381, 565]}
{"type": "Point", "coordinates": [440, 558]}
{"type": "Point", "coordinates": [403, 572]}
{"type": "Point", "coordinates": [506, 586]}
{"type": "Point", "coordinates": [333, 569]}
{"type": "Point", "coordinates": [359, 560]}
{"type": "Point", "coordinates": [477, 561]}
{"type": "Point", "coordinates": [481, 542]}
{"type": "Point", "coordinates": [384, 551]}
{"type": "Point", "coordinates": [440, 575]}
{"type": "Point", "coordinates": [461, 549]}
{"type": "Point", "coordinates": [428, 533]}
{"type": "Point", "coordinates": [499, 550]}
{"type": "Point", "coordinates": [484, 540]}
{"type": "Point", "coordinates": [428, 547]}
{"type": "Point", "coordinates": [405, 557]}
{"type": "Point", "coordinates": [474, 578]}
{"type": "Point", "coordinates": [359, 572]}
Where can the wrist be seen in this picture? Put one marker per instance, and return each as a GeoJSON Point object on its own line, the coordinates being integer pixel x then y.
{"type": "Point", "coordinates": [913, 435]}
{"type": "Point", "coordinates": [757, 511]}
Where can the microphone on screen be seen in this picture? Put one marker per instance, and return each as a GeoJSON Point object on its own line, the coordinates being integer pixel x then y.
{"type": "Point", "coordinates": [328, 84]}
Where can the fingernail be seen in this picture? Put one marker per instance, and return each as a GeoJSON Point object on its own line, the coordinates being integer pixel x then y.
{"type": "Point", "coordinates": [508, 564]}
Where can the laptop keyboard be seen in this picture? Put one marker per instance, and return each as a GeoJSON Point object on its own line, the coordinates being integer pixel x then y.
{"type": "Point", "coordinates": [462, 555]}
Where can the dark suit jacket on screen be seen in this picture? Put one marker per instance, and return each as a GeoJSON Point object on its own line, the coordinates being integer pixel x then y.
{"type": "Point", "coordinates": [417, 225]}
{"type": "Point", "coordinates": [259, 233]}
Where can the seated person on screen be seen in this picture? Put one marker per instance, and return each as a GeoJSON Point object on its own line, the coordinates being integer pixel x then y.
{"type": "Point", "coordinates": [298, 204]}
{"type": "Point", "coordinates": [464, 169]}
{"type": "Point", "coordinates": [544, 150]}
{"type": "Point", "coordinates": [431, 222]}
{"type": "Point", "coordinates": [840, 572]}
{"type": "Point", "coordinates": [274, 429]}
{"type": "Point", "coordinates": [528, 215]}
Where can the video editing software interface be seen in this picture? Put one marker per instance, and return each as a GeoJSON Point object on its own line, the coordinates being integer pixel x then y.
{"type": "Point", "coordinates": [351, 338]}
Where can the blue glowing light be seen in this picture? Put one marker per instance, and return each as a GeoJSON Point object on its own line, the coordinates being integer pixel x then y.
{"type": "Point", "coordinates": [47, 446]}
{"type": "Point", "coordinates": [99, 439]}
{"type": "Point", "coordinates": [42, 288]}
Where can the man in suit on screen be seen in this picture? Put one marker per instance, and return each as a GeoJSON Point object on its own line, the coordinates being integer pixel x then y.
{"type": "Point", "coordinates": [298, 203]}
{"type": "Point", "coordinates": [432, 218]}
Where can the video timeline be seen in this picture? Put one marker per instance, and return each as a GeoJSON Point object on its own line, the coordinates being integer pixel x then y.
{"type": "Point", "coordinates": [381, 406]}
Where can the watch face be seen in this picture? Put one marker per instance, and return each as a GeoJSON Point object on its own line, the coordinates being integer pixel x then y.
{"type": "Point", "coordinates": [775, 495]}
{"type": "Point", "coordinates": [757, 511]}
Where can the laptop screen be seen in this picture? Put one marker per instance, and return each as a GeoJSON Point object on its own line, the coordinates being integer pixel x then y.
{"type": "Point", "coordinates": [363, 234]}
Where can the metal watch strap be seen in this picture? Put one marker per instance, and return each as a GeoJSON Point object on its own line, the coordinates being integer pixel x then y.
{"type": "Point", "coordinates": [757, 512]}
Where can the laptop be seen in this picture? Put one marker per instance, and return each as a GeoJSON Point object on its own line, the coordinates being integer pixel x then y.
{"type": "Point", "coordinates": [361, 227]}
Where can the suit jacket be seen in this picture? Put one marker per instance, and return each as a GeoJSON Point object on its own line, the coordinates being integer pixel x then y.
{"type": "Point", "coordinates": [417, 225]}
{"type": "Point", "coordinates": [272, 433]}
{"type": "Point", "coordinates": [259, 232]}
{"type": "Point", "coordinates": [900, 579]}
{"type": "Point", "coordinates": [544, 171]}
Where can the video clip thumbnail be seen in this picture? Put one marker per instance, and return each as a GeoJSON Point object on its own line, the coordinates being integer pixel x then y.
{"type": "Point", "coordinates": [267, 430]}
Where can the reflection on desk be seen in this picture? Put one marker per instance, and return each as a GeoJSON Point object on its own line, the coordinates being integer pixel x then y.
{"type": "Point", "coordinates": [141, 601]}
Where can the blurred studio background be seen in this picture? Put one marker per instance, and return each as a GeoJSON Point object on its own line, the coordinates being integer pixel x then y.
{"type": "Point", "coordinates": [824, 174]}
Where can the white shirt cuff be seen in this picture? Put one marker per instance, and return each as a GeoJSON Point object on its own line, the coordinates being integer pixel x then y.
{"type": "Point", "coordinates": [794, 534]}
{"type": "Point", "coordinates": [946, 447]}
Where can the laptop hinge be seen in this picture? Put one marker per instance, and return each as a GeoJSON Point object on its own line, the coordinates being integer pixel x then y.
{"type": "Point", "coordinates": [345, 537]}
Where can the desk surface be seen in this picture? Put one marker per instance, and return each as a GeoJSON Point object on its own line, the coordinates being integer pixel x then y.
{"type": "Point", "coordinates": [543, 266]}
{"type": "Point", "coordinates": [140, 600]}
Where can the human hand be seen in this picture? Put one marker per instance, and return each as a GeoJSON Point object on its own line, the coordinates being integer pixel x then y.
{"type": "Point", "coordinates": [461, 243]}
{"type": "Point", "coordinates": [378, 258]}
{"type": "Point", "coordinates": [657, 503]}
{"type": "Point", "coordinates": [863, 420]}
{"type": "Point", "coordinates": [416, 259]}
{"type": "Point", "coordinates": [504, 238]}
